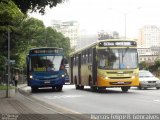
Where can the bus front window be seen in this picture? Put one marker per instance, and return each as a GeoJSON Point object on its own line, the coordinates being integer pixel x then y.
{"type": "Point", "coordinates": [45, 63]}
{"type": "Point", "coordinates": [117, 58]}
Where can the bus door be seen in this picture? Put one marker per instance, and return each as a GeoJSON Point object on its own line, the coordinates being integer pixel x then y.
{"type": "Point", "coordinates": [79, 68]}
{"type": "Point", "coordinates": [94, 67]}
{"type": "Point", "coordinates": [71, 69]}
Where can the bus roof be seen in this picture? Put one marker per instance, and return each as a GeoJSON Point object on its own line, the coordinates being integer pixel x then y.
{"type": "Point", "coordinates": [42, 48]}
{"type": "Point", "coordinates": [46, 50]}
{"type": "Point", "coordinates": [97, 42]}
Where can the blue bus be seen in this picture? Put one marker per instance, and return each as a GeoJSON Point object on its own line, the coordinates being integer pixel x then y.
{"type": "Point", "coordinates": [46, 68]}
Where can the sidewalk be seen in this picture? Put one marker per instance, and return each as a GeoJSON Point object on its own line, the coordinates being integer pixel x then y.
{"type": "Point", "coordinates": [20, 107]}
{"type": "Point", "coordinates": [15, 103]}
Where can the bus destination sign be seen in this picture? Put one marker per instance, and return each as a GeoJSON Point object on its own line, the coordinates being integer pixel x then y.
{"type": "Point", "coordinates": [46, 51]}
{"type": "Point", "coordinates": [117, 43]}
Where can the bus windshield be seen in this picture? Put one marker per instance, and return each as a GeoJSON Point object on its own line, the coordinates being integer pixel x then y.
{"type": "Point", "coordinates": [124, 58]}
{"type": "Point", "coordinates": [45, 63]}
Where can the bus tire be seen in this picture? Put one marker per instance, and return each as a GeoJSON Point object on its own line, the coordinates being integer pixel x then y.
{"type": "Point", "coordinates": [76, 83]}
{"type": "Point", "coordinates": [81, 87]}
{"type": "Point", "coordinates": [157, 88]}
{"type": "Point", "coordinates": [139, 87]}
{"type": "Point", "coordinates": [94, 88]}
{"type": "Point", "coordinates": [90, 81]}
{"type": "Point", "coordinates": [53, 88]}
{"type": "Point", "coordinates": [59, 88]}
{"type": "Point", "coordinates": [125, 89]}
{"type": "Point", "coordinates": [77, 87]}
{"type": "Point", "coordinates": [34, 89]}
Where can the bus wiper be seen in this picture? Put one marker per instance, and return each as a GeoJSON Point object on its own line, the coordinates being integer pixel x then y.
{"type": "Point", "coordinates": [125, 51]}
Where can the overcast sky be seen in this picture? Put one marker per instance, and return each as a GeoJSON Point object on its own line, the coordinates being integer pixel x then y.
{"type": "Point", "coordinates": [95, 15]}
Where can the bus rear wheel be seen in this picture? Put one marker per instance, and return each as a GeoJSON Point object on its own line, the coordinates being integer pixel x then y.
{"type": "Point", "coordinates": [94, 88]}
{"type": "Point", "coordinates": [81, 87]}
{"type": "Point", "coordinates": [125, 89]}
{"type": "Point", "coordinates": [77, 87]}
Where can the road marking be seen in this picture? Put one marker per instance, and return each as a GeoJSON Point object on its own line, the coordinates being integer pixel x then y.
{"type": "Point", "coordinates": [156, 100]}
{"type": "Point", "coordinates": [63, 96]}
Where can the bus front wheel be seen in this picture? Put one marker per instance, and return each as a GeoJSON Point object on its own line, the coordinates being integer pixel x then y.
{"type": "Point", "coordinates": [125, 89]}
{"type": "Point", "coordinates": [59, 88]}
{"type": "Point", "coordinates": [77, 87]}
{"type": "Point", "coordinates": [34, 89]}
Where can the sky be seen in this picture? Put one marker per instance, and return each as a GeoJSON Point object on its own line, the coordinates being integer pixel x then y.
{"type": "Point", "coordinates": [109, 15]}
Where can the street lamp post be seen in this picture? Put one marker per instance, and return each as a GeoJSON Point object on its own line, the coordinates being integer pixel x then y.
{"type": "Point", "coordinates": [125, 24]}
{"type": "Point", "coordinates": [9, 74]}
{"type": "Point", "coordinates": [125, 18]}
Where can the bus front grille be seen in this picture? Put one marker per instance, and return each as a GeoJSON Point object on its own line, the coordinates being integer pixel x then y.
{"type": "Point", "coordinates": [120, 72]}
{"type": "Point", "coordinates": [46, 78]}
{"type": "Point", "coordinates": [119, 77]}
{"type": "Point", "coordinates": [120, 83]}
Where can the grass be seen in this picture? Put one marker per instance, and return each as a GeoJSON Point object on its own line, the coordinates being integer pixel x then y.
{"type": "Point", "coordinates": [4, 87]}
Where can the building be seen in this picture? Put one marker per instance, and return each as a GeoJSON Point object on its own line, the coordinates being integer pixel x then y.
{"type": "Point", "coordinates": [102, 35]}
{"type": "Point", "coordinates": [149, 36]}
{"type": "Point", "coordinates": [146, 54]}
{"type": "Point", "coordinates": [68, 29]}
{"type": "Point", "coordinates": [149, 43]}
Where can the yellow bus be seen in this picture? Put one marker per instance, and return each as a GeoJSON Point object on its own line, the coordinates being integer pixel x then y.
{"type": "Point", "coordinates": [106, 63]}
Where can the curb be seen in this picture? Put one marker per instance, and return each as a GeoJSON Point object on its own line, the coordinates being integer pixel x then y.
{"type": "Point", "coordinates": [55, 108]}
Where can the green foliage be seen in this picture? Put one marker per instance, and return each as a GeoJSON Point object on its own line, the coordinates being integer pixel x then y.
{"type": "Point", "coordinates": [3, 60]}
{"type": "Point", "coordinates": [10, 18]}
{"type": "Point", "coordinates": [10, 15]}
{"type": "Point", "coordinates": [155, 68]}
{"type": "Point", "coordinates": [32, 33]}
{"type": "Point", "coordinates": [4, 87]}
{"type": "Point", "coordinates": [36, 5]}
{"type": "Point", "coordinates": [26, 33]}
{"type": "Point", "coordinates": [55, 39]}
{"type": "Point", "coordinates": [143, 65]}
{"type": "Point", "coordinates": [152, 68]}
{"type": "Point", "coordinates": [157, 63]}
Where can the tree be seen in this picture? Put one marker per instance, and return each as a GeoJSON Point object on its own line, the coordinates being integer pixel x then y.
{"type": "Point", "coordinates": [32, 33]}
{"type": "Point", "coordinates": [26, 32]}
{"type": "Point", "coordinates": [10, 15]}
{"type": "Point", "coordinates": [143, 65]}
{"type": "Point", "coordinates": [10, 18]}
{"type": "Point", "coordinates": [49, 37]}
{"type": "Point", "coordinates": [36, 5]}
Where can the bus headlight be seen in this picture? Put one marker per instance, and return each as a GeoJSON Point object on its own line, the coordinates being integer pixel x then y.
{"type": "Point", "coordinates": [30, 76]}
{"type": "Point", "coordinates": [63, 75]}
{"type": "Point", "coordinates": [106, 77]}
{"type": "Point", "coordinates": [133, 77]}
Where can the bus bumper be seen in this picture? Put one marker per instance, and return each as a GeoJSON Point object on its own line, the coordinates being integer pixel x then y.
{"type": "Point", "coordinates": [46, 83]}
{"type": "Point", "coordinates": [117, 82]}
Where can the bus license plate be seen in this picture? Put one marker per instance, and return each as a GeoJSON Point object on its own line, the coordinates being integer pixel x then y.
{"type": "Point", "coordinates": [46, 82]}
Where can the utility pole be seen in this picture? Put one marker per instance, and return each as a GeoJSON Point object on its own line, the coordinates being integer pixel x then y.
{"type": "Point", "coordinates": [9, 74]}
{"type": "Point", "coordinates": [125, 25]}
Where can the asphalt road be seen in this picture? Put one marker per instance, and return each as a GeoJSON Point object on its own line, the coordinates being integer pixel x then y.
{"type": "Point", "coordinates": [111, 100]}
